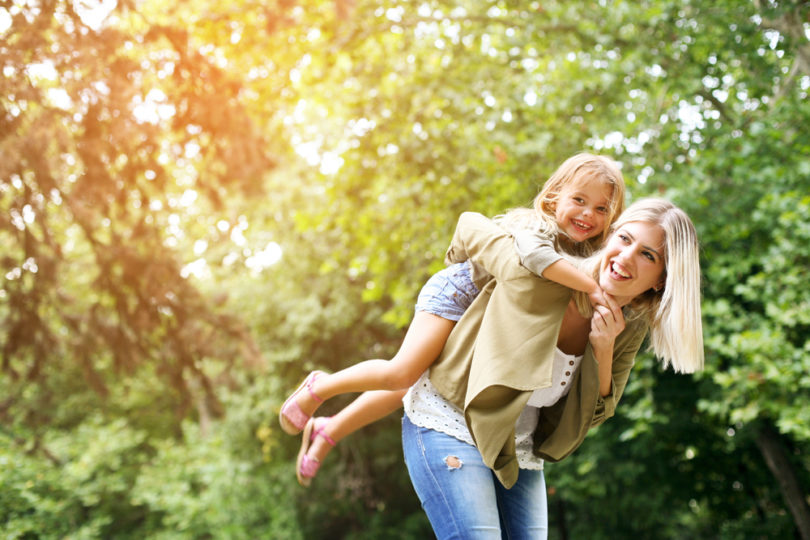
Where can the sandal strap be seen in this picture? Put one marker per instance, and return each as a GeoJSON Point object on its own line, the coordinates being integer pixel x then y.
{"type": "Point", "coordinates": [319, 432]}
{"type": "Point", "coordinates": [310, 381]}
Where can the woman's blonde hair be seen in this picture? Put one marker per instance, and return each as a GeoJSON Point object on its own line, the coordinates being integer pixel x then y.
{"type": "Point", "coordinates": [676, 329]}
{"type": "Point", "coordinates": [577, 168]}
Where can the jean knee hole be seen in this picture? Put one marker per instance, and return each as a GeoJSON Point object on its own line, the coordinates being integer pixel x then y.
{"type": "Point", "coordinates": [453, 463]}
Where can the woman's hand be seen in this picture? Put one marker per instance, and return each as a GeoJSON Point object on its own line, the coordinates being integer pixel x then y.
{"type": "Point", "coordinates": [607, 323]}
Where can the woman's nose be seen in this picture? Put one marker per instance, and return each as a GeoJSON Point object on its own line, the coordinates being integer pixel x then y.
{"type": "Point", "coordinates": [625, 255]}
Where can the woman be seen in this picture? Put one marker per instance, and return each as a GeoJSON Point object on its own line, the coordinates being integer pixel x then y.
{"type": "Point", "coordinates": [524, 355]}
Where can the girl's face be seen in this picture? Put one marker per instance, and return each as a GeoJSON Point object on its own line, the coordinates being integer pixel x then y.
{"type": "Point", "coordinates": [633, 261]}
{"type": "Point", "coordinates": [582, 208]}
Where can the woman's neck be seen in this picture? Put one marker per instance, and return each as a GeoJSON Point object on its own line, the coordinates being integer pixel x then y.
{"type": "Point", "coordinates": [574, 331]}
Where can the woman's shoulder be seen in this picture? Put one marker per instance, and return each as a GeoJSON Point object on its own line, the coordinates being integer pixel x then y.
{"type": "Point", "coordinates": [636, 328]}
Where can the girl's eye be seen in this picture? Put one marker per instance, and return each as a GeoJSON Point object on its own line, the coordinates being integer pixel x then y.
{"type": "Point", "coordinates": [623, 237]}
{"type": "Point", "coordinates": [649, 256]}
{"type": "Point", "coordinates": [579, 200]}
{"type": "Point", "coordinates": [602, 210]}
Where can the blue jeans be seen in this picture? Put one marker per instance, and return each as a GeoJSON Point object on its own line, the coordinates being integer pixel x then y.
{"type": "Point", "coordinates": [462, 497]}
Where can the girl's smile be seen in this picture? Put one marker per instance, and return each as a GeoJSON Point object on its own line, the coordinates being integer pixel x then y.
{"type": "Point", "coordinates": [582, 208]}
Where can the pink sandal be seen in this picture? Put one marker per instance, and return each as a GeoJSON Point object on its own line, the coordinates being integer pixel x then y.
{"type": "Point", "coordinates": [291, 417]}
{"type": "Point", "coordinates": [306, 467]}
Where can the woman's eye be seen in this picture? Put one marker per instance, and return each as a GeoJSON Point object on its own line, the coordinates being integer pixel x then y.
{"type": "Point", "coordinates": [649, 256]}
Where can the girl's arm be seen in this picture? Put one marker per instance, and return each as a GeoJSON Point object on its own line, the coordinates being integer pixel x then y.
{"type": "Point", "coordinates": [565, 273]}
{"type": "Point", "coordinates": [537, 253]}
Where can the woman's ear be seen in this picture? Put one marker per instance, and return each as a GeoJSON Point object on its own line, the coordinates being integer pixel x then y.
{"type": "Point", "coordinates": [661, 282]}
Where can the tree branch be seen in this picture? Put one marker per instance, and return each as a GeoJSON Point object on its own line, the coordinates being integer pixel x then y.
{"type": "Point", "coordinates": [769, 443]}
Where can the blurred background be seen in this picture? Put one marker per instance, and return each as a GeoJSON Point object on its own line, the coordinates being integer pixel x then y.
{"type": "Point", "coordinates": [202, 201]}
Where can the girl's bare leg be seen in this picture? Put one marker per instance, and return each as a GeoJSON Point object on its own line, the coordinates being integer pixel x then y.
{"type": "Point", "coordinates": [368, 408]}
{"type": "Point", "coordinates": [421, 346]}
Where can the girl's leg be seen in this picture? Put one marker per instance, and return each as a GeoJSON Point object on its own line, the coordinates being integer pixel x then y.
{"type": "Point", "coordinates": [524, 508]}
{"type": "Point", "coordinates": [456, 489]}
{"type": "Point", "coordinates": [368, 408]}
{"type": "Point", "coordinates": [422, 344]}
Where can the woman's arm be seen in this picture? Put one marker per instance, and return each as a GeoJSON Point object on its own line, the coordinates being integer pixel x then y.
{"type": "Point", "coordinates": [621, 361]}
{"type": "Point", "coordinates": [563, 426]}
{"type": "Point", "coordinates": [606, 324]}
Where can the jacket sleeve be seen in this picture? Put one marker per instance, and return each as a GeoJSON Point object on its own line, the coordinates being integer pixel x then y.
{"type": "Point", "coordinates": [488, 246]}
{"type": "Point", "coordinates": [563, 426]}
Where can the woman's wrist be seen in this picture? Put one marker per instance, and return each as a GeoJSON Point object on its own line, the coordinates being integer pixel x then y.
{"type": "Point", "coordinates": [605, 370]}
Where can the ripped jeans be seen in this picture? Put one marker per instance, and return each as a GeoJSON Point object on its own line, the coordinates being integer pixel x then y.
{"type": "Point", "coordinates": [462, 497]}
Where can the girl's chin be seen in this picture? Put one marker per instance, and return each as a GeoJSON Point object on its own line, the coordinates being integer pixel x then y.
{"type": "Point", "coordinates": [578, 239]}
{"type": "Point", "coordinates": [578, 235]}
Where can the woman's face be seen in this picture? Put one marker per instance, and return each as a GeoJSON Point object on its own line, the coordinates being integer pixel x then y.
{"type": "Point", "coordinates": [633, 261]}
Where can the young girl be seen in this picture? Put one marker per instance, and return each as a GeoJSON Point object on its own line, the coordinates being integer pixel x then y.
{"type": "Point", "coordinates": [572, 213]}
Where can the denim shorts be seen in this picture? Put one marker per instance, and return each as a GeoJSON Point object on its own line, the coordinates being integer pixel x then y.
{"type": "Point", "coordinates": [448, 293]}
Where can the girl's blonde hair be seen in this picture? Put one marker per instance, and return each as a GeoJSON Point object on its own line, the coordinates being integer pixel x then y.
{"type": "Point", "coordinates": [676, 329]}
{"type": "Point", "coordinates": [577, 168]}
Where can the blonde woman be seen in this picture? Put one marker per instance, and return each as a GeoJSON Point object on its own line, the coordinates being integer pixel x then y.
{"type": "Point", "coordinates": [531, 367]}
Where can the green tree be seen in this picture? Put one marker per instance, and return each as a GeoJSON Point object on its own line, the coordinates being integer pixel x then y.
{"type": "Point", "coordinates": [206, 200]}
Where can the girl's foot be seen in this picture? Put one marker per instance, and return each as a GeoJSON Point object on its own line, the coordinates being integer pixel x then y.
{"type": "Point", "coordinates": [316, 439]}
{"type": "Point", "coordinates": [292, 416]}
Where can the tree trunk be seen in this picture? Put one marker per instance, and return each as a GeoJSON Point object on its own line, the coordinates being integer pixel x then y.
{"type": "Point", "coordinates": [769, 443]}
{"type": "Point", "coordinates": [561, 527]}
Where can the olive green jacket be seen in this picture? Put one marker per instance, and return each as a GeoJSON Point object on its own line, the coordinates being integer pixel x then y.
{"type": "Point", "coordinates": [503, 347]}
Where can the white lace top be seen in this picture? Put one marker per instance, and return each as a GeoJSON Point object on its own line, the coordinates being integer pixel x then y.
{"type": "Point", "coordinates": [427, 408]}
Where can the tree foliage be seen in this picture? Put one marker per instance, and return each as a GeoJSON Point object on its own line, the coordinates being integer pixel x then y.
{"type": "Point", "coordinates": [203, 201]}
